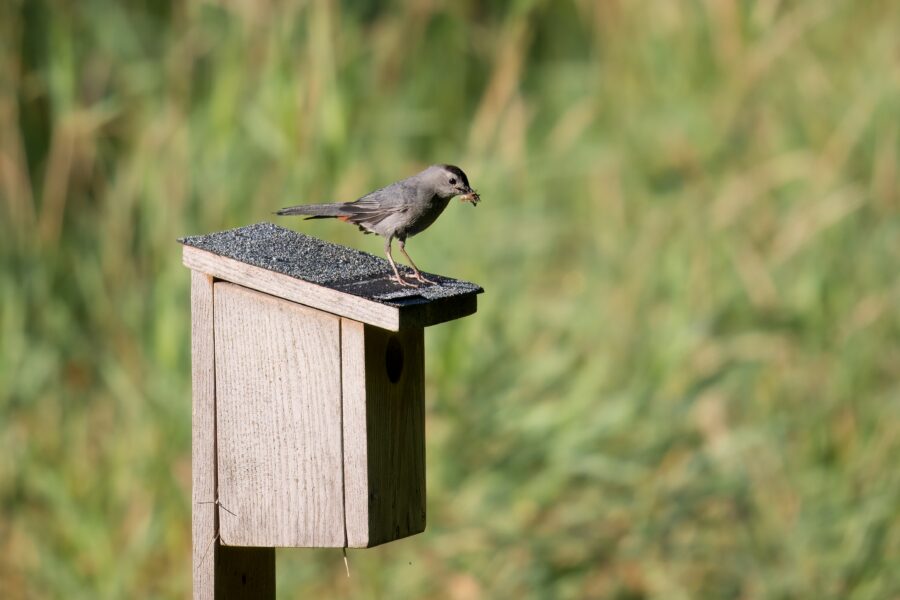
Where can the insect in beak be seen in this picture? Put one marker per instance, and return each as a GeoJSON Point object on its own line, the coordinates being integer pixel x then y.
{"type": "Point", "coordinates": [472, 197]}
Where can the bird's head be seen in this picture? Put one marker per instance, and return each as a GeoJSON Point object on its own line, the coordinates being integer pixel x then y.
{"type": "Point", "coordinates": [449, 181]}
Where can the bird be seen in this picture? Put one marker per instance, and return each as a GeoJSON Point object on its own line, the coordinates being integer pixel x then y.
{"type": "Point", "coordinates": [399, 210]}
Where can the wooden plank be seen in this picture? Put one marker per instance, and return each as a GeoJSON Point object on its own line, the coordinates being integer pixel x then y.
{"type": "Point", "coordinates": [356, 455]}
{"type": "Point", "coordinates": [384, 433]}
{"type": "Point", "coordinates": [203, 449]}
{"type": "Point", "coordinates": [217, 570]}
{"type": "Point", "coordinates": [395, 416]}
{"type": "Point", "coordinates": [290, 288]}
{"type": "Point", "coordinates": [279, 421]}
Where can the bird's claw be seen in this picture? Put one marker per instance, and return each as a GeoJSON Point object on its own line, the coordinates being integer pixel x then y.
{"type": "Point", "coordinates": [403, 282]}
{"type": "Point", "coordinates": [419, 277]}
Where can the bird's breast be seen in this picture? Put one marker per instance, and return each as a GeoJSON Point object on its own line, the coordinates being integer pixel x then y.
{"type": "Point", "coordinates": [423, 215]}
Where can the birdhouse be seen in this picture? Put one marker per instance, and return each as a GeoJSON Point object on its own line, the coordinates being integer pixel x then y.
{"type": "Point", "coordinates": [308, 400]}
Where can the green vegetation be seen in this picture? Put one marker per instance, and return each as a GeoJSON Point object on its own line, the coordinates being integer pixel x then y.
{"type": "Point", "coordinates": [683, 380]}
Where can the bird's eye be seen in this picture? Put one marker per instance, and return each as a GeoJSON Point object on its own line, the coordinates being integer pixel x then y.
{"type": "Point", "coordinates": [452, 181]}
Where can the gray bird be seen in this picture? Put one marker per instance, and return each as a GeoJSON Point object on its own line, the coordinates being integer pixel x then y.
{"type": "Point", "coordinates": [400, 210]}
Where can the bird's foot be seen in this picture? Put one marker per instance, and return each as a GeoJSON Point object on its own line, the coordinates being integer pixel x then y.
{"type": "Point", "coordinates": [419, 277]}
{"type": "Point", "coordinates": [401, 281]}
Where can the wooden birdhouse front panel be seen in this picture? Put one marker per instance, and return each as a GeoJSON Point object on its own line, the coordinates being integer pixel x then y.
{"type": "Point", "coordinates": [279, 432]}
{"type": "Point", "coordinates": [320, 425]}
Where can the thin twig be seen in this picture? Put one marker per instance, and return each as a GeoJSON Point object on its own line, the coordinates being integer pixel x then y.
{"type": "Point", "coordinates": [205, 552]}
{"type": "Point", "coordinates": [219, 504]}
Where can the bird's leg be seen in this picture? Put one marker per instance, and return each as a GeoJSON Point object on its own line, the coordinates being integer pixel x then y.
{"type": "Point", "coordinates": [396, 277]}
{"type": "Point", "coordinates": [417, 275]}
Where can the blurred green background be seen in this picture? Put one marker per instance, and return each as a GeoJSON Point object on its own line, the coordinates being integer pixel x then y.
{"type": "Point", "coordinates": [683, 380]}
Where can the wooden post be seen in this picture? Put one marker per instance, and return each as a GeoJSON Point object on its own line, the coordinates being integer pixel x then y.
{"type": "Point", "coordinates": [308, 401]}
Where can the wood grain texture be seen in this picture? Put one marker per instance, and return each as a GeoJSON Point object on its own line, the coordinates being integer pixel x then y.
{"type": "Point", "coordinates": [384, 433]}
{"type": "Point", "coordinates": [218, 572]}
{"type": "Point", "coordinates": [297, 290]}
{"type": "Point", "coordinates": [203, 449]}
{"type": "Point", "coordinates": [356, 453]}
{"type": "Point", "coordinates": [278, 382]}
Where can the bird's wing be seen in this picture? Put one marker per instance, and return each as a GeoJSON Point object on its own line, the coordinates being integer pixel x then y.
{"type": "Point", "coordinates": [377, 205]}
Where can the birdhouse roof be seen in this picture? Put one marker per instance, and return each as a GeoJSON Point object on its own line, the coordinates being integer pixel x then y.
{"type": "Point", "coordinates": [333, 278]}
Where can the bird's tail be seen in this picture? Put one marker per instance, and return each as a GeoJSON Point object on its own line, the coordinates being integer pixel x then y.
{"type": "Point", "coordinates": [315, 211]}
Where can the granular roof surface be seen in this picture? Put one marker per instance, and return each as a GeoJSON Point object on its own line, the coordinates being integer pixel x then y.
{"type": "Point", "coordinates": [284, 251]}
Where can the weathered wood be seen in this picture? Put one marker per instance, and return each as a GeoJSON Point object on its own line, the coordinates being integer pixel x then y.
{"type": "Point", "coordinates": [203, 448]}
{"type": "Point", "coordinates": [297, 290]}
{"type": "Point", "coordinates": [278, 384]}
{"type": "Point", "coordinates": [384, 433]}
{"type": "Point", "coordinates": [213, 564]}
{"type": "Point", "coordinates": [356, 455]}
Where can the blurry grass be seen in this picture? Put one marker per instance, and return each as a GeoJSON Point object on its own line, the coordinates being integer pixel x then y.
{"type": "Point", "coordinates": [682, 381]}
